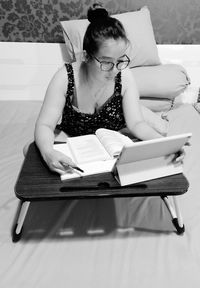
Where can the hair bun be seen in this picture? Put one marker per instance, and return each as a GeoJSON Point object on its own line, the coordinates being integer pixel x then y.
{"type": "Point", "coordinates": [97, 13]}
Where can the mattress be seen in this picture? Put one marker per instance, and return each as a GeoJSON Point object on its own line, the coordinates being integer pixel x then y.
{"type": "Point", "coordinates": [123, 242]}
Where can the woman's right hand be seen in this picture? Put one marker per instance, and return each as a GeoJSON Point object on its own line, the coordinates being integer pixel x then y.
{"type": "Point", "coordinates": [57, 161]}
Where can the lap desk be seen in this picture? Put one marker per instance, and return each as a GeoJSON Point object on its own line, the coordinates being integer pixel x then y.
{"type": "Point", "coordinates": [36, 183]}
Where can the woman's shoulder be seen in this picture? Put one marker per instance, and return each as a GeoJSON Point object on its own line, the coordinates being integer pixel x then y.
{"type": "Point", "coordinates": [63, 71]}
{"type": "Point", "coordinates": [63, 74]}
{"type": "Point", "coordinates": [127, 73]}
{"type": "Point", "coordinates": [127, 79]}
{"type": "Point", "coordinates": [67, 66]}
{"type": "Point", "coordinates": [60, 74]}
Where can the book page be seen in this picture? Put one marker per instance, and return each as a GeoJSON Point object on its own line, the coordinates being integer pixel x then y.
{"type": "Point", "coordinates": [90, 169]}
{"type": "Point", "coordinates": [113, 141]}
{"type": "Point", "coordinates": [87, 148]}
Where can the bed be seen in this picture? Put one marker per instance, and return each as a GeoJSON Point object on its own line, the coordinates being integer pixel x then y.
{"type": "Point", "coordinates": [93, 242]}
{"type": "Point", "coordinates": [96, 243]}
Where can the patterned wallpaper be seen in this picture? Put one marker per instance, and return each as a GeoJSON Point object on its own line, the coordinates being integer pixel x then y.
{"type": "Point", "coordinates": [174, 21]}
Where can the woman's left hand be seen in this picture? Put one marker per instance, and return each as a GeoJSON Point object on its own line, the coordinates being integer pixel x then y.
{"type": "Point", "coordinates": [178, 157]}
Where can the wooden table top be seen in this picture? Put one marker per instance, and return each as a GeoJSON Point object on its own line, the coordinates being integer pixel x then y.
{"type": "Point", "coordinates": [37, 182]}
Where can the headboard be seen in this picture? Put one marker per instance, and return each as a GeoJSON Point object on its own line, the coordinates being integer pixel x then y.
{"type": "Point", "coordinates": [174, 21]}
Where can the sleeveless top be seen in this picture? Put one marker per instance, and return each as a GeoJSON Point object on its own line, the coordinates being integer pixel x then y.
{"type": "Point", "coordinates": [109, 115]}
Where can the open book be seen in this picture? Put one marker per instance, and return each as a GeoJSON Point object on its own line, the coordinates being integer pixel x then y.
{"type": "Point", "coordinates": [93, 153]}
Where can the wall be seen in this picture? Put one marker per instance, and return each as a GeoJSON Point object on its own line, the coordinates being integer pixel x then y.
{"type": "Point", "coordinates": [174, 21]}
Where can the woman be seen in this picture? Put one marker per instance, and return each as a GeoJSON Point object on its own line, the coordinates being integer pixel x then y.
{"type": "Point", "coordinates": [97, 92]}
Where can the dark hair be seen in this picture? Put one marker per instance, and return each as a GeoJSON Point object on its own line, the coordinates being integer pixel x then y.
{"type": "Point", "coordinates": [101, 27]}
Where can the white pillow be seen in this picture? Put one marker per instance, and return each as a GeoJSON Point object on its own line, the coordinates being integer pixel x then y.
{"type": "Point", "coordinates": [139, 30]}
{"type": "Point", "coordinates": [157, 104]}
{"type": "Point", "coordinates": [161, 81]}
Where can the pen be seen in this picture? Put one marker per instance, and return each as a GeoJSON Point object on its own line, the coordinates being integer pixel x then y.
{"type": "Point", "coordinates": [76, 168]}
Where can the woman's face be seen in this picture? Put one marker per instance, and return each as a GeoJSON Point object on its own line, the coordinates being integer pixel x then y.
{"type": "Point", "coordinates": [110, 51]}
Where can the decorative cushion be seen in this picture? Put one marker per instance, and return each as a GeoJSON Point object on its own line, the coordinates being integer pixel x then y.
{"type": "Point", "coordinates": [138, 26]}
{"type": "Point", "coordinates": [163, 81]}
{"type": "Point", "coordinates": [157, 104]}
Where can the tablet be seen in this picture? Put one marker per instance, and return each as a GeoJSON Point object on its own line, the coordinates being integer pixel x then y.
{"type": "Point", "coordinates": [153, 148]}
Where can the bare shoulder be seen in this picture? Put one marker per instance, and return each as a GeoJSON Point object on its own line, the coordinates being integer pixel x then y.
{"type": "Point", "coordinates": [127, 75]}
{"type": "Point", "coordinates": [59, 81]}
{"type": "Point", "coordinates": [60, 74]}
{"type": "Point", "coordinates": [128, 80]}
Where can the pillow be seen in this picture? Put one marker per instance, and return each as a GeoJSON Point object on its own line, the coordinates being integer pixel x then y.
{"type": "Point", "coordinates": [162, 81]}
{"type": "Point", "coordinates": [139, 30]}
{"type": "Point", "coordinates": [157, 104]}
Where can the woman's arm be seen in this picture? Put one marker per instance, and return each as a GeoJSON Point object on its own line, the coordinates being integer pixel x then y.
{"type": "Point", "coordinates": [155, 120]}
{"type": "Point", "coordinates": [49, 115]}
{"type": "Point", "coordinates": [133, 113]}
{"type": "Point", "coordinates": [135, 117]}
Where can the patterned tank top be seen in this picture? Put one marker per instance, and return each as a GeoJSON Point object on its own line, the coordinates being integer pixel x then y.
{"type": "Point", "coordinates": [109, 115]}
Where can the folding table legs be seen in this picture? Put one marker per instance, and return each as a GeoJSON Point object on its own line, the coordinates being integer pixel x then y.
{"type": "Point", "coordinates": [175, 213]}
{"type": "Point", "coordinates": [20, 220]}
{"type": "Point", "coordinates": [172, 207]}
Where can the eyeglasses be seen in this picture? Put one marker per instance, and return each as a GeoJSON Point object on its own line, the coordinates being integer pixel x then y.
{"type": "Point", "coordinates": [108, 66]}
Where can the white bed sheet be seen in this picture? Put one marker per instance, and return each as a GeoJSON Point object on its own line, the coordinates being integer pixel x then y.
{"type": "Point", "coordinates": [98, 242]}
